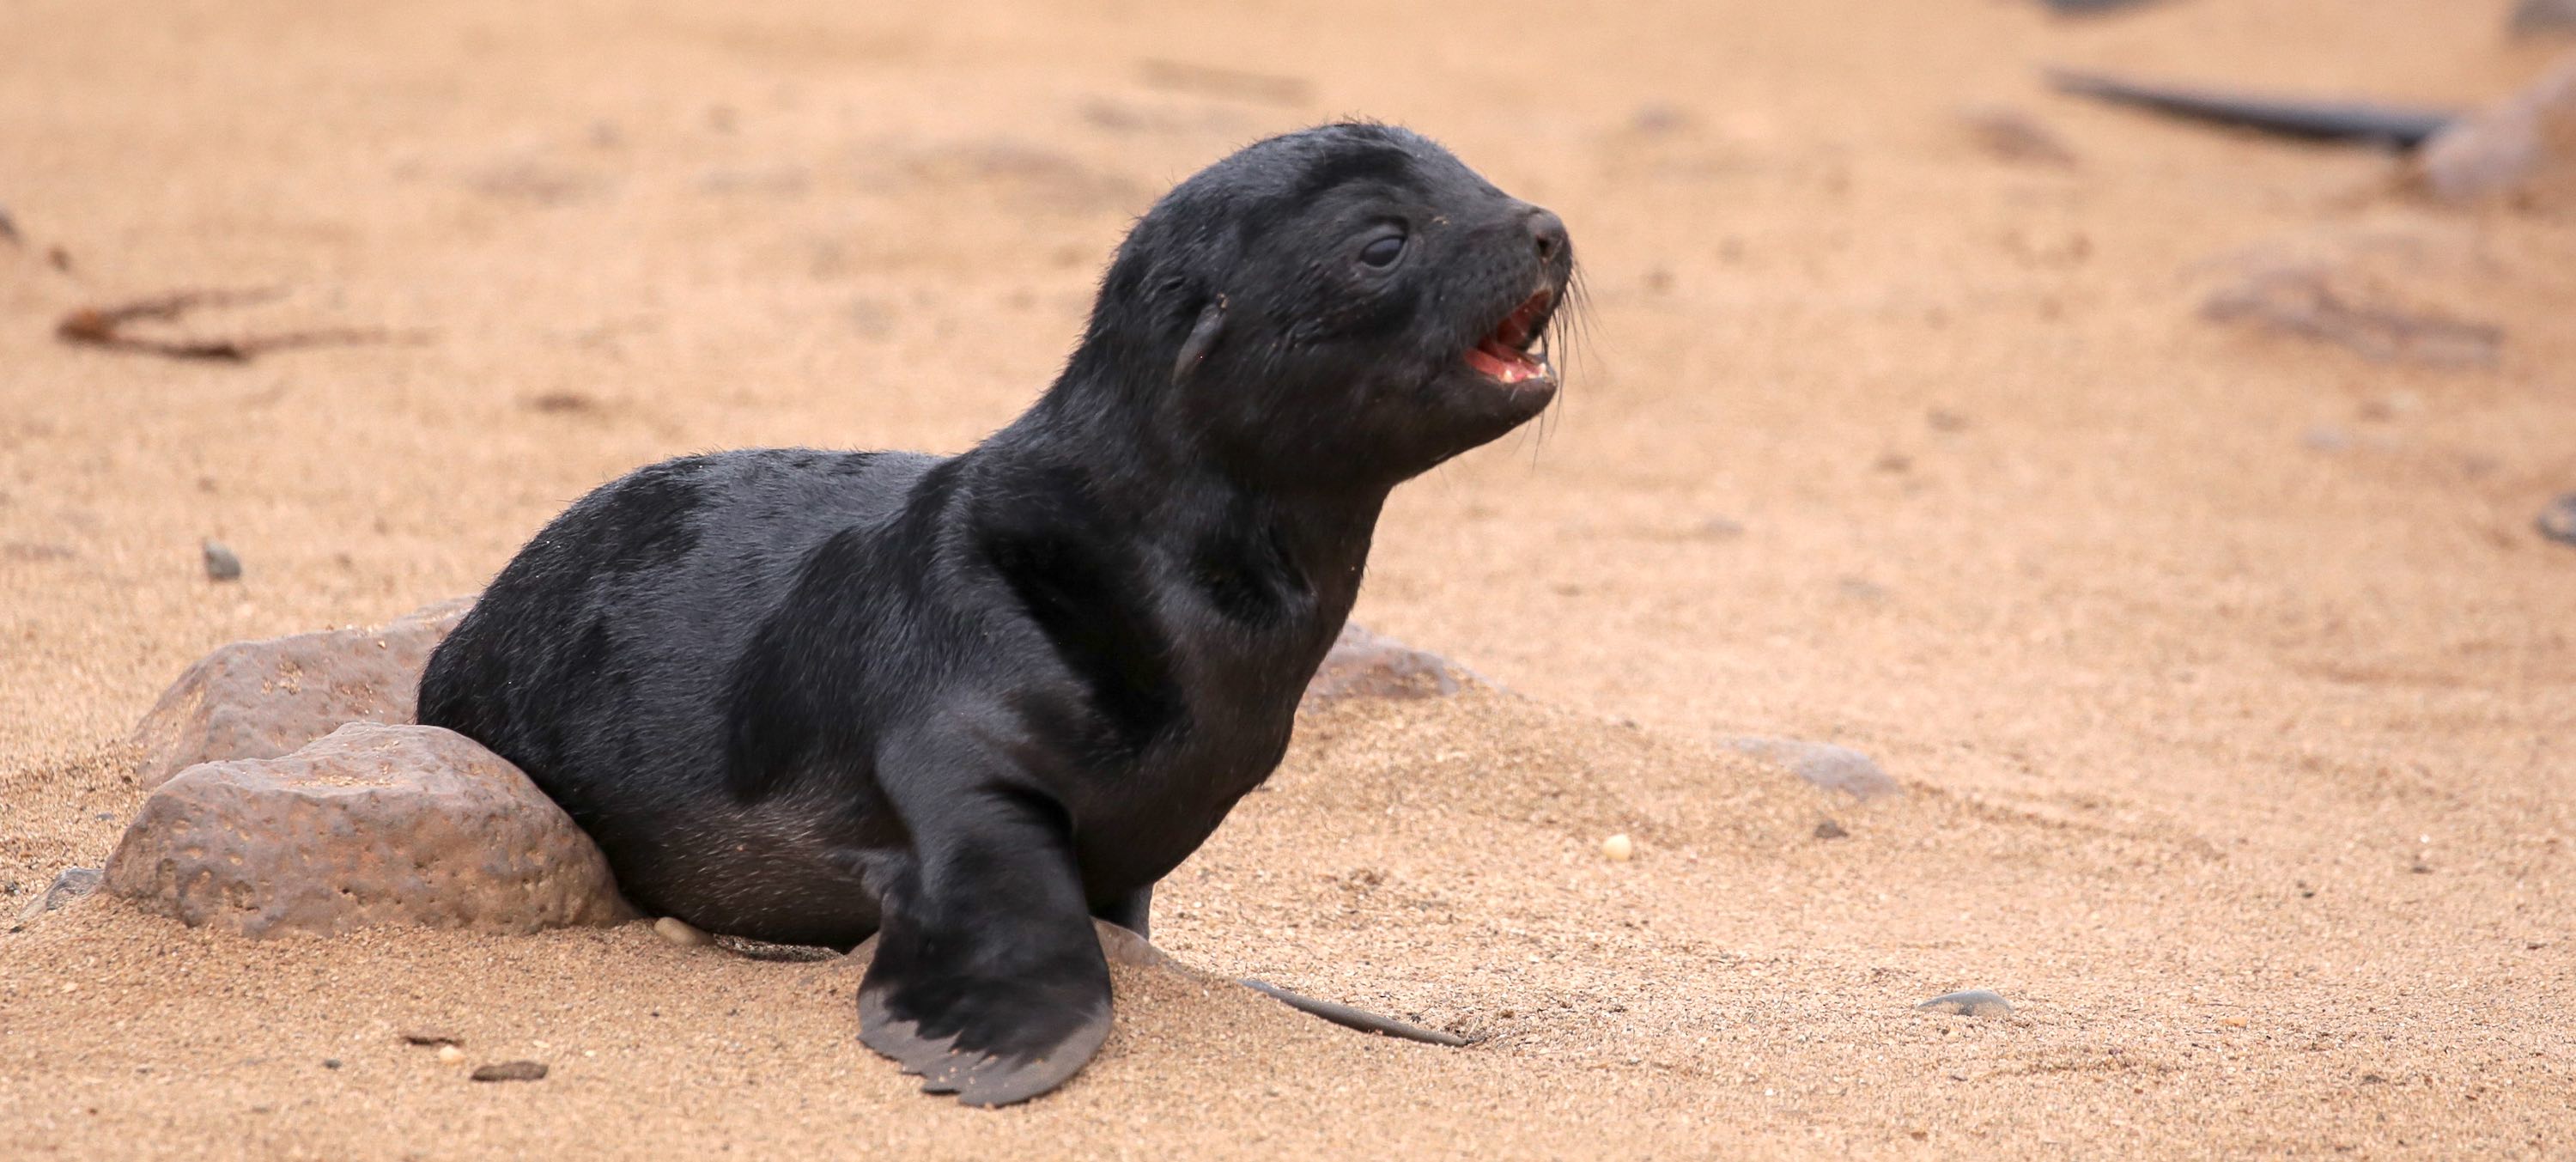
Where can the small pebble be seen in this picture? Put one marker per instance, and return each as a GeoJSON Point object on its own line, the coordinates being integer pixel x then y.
{"type": "Point", "coordinates": [1618, 848]}
{"type": "Point", "coordinates": [330, 1063]}
{"type": "Point", "coordinates": [512, 1071]}
{"type": "Point", "coordinates": [2232, 1022]}
{"type": "Point", "coordinates": [681, 932]}
{"type": "Point", "coordinates": [432, 1037]}
{"type": "Point", "coordinates": [450, 1054]}
{"type": "Point", "coordinates": [221, 564]}
{"type": "Point", "coordinates": [1969, 1003]}
{"type": "Point", "coordinates": [2558, 521]}
{"type": "Point", "coordinates": [1830, 830]}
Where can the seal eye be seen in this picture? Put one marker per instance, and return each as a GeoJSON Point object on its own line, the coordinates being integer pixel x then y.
{"type": "Point", "coordinates": [1382, 253]}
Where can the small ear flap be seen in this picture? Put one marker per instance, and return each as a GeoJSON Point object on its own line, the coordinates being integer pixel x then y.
{"type": "Point", "coordinates": [1202, 338]}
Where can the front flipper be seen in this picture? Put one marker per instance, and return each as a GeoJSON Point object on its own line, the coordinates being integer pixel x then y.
{"type": "Point", "coordinates": [988, 981]}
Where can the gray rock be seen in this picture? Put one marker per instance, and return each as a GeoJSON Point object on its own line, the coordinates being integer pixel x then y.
{"type": "Point", "coordinates": [1364, 665]}
{"type": "Point", "coordinates": [2558, 521]}
{"type": "Point", "coordinates": [71, 885]}
{"type": "Point", "coordinates": [221, 563]}
{"type": "Point", "coordinates": [511, 1071]}
{"type": "Point", "coordinates": [1822, 764]}
{"type": "Point", "coordinates": [2532, 17]}
{"type": "Point", "coordinates": [1969, 1003]}
{"type": "Point", "coordinates": [371, 824]}
{"type": "Point", "coordinates": [2523, 149]}
{"type": "Point", "coordinates": [262, 699]}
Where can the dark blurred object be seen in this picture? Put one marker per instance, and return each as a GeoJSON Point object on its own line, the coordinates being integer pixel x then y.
{"type": "Point", "coordinates": [2522, 150]}
{"type": "Point", "coordinates": [2544, 17]}
{"type": "Point", "coordinates": [8, 228]}
{"type": "Point", "coordinates": [2288, 117]}
{"type": "Point", "coordinates": [2013, 135]}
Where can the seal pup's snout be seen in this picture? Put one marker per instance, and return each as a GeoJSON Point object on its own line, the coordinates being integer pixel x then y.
{"type": "Point", "coordinates": [1514, 351]}
{"type": "Point", "coordinates": [1547, 231]}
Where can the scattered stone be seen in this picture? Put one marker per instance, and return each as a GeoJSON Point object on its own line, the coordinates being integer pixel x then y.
{"type": "Point", "coordinates": [511, 1071]}
{"type": "Point", "coordinates": [2523, 150]}
{"type": "Point", "coordinates": [1831, 830]}
{"type": "Point", "coordinates": [2534, 17]}
{"type": "Point", "coordinates": [221, 563]}
{"type": "Point", "coordinates": [372, 824]}
{"type": "Point", "coordinates": [2013, 135]}
{"type": "Point", "coordinates": [1618, 848]}
{"type": "Point", "coordinates": [2558, 521]}
{"type": "Point", "coordinates": [1821, 764]}
{"type": "Point", "coordinates": [330, 1063]}
{"type": "Point", "coordinates": [2313, 303]}
{"type": "Point", "coordinates": [262, 699]}
{"type": "Point", "coordinates": [71, 885]}
{"type": "Point", "coordinates": [1969, 1003]}
{"type": "Point", "coordinates": [1362, 664]}
{"type": "Point", "coordinates": [427, 1037]}
{"type": "Point", "coordinates": [563, 402]}
{"type": "Point", "coordinates": [450, 1054]}
{"type": "Point", "coordinates": [681, 932]}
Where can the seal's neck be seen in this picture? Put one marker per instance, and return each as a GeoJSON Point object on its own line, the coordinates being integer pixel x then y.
{"type": "Point", "coordinates": [1178, 493]}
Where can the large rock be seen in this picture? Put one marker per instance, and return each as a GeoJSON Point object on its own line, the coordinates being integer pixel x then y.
{"type": "Point", "coordinates": [2523, 150]}
{"type": "Point", "coordinates": [1364, 665]}
{"type": "Point", "coordinates": [371, 824]}
{"type": "Point", "coordinates": [258, 700]}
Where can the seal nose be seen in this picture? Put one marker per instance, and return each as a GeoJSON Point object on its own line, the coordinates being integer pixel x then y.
{"type": "Point", "coordinates": [1548, 231]}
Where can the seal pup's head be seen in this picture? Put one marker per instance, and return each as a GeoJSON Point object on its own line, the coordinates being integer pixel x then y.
{"type": "Point", "coordinates": [1345, 303]}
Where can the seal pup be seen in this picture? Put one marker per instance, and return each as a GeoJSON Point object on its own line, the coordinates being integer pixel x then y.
{"type": "Point", "coordinates": [968, 703]}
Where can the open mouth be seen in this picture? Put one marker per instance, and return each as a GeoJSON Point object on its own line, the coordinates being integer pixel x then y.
{"type": "Point", "coordinates": [1505, 356]}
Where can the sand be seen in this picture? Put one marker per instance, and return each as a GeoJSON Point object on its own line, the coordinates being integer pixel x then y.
{"type": "Point", "coordinates": [2230, 686]}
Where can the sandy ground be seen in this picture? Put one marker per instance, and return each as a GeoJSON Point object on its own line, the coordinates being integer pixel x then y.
{"type": "Point", "coordinates": [2231, 688]}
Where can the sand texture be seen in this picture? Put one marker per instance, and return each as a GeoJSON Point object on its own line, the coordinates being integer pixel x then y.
{"type": "Point", "coordinates": [2229, 682]}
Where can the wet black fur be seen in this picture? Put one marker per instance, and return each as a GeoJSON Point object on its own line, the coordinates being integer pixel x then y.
{"type": "Point", "coordinates": [970, 701]}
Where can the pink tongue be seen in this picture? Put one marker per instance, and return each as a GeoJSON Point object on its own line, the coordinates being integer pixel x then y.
{"type": "Point", "coordinates": [1509, 370]}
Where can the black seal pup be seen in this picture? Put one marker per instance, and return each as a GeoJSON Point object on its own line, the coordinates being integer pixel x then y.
{"type": "Point", "coordinates": [969, 703]}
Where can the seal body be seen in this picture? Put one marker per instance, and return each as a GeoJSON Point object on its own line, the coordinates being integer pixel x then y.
{"type": "Point", "coordinates": [967, 703]}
